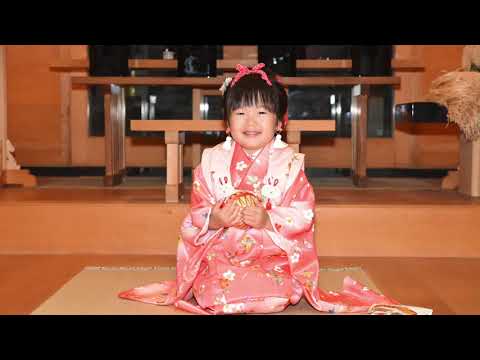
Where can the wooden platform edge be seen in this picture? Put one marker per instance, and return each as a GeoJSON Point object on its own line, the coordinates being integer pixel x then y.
{"type": "Point", "coordinates": [18, 177]}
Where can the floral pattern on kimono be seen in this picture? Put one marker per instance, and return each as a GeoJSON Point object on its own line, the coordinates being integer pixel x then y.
{"type": "Point", "coordinates": [233, 270]}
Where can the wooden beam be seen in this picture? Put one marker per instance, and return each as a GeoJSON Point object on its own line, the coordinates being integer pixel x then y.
{"type": "Point", "coordinates": [313, 64]}
{"type": "Point", "coordinates": [219, 125]}
{"type": "Point", "coordinates": [210, 92]}
{"type": "Point", "coordinates": [412, 64]}
{"type": "Point", "coordinates": [322, 125]}
{"type": "Point", "coordinates": [218, 81]}
{"type": "Point", "coordinates": [152, 64]}
{"type": "Point", "coordinates": [71, 66]}
{"type": "Point", "coordinates": [340, 80]}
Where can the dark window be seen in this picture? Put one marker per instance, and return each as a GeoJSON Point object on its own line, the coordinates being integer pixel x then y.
{"type": "Point", "coordinates": [323, 103]}
{"type": "Point", "coordinates": [175, 102]}
{"type": "Point", "coordinates": [141, 102]}
{"type": "Point", "coordinates": [318, 102]}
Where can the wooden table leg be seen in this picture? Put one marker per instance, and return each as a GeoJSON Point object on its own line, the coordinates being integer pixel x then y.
{"type": "Point", "coordinates": [196, 115]}
{"type": "Point", "coordinates": [114, 107]}
{"type": "Point", "coordinates": [359, 116]}
{"type": "Point", "coordinates": [173, 189]}
{"type": "Point", "coordinates": [196, 154]}
{"type": "Point", "coordinates": [293, 139]}
{"type": "Point", "coordinates": [181, 142]}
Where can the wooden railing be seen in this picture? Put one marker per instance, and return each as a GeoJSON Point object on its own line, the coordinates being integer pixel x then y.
{"type": "Point", "coordinates": [115, 116]}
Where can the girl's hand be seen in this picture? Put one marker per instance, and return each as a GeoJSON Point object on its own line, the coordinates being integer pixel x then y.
{"type": "Point", "coordinates": [229, 215]}
{"type": "Point", "coordinates": [257, 218]}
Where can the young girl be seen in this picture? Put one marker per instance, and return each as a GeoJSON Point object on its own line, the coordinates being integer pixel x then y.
{"type": "Point", "coordinates": [247, 245]}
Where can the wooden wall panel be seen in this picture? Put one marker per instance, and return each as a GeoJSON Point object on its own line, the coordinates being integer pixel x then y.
{"type": "Point", "coordinates": [438, 150]}
{"type": "Point", "coordinates": [240, 52]}
{"type": "Point", "coordinates": [437, 60]}
{"type": "Point", "coordinates": [3, 112]}
{"type": "Point", "coordinates": [34, 113]}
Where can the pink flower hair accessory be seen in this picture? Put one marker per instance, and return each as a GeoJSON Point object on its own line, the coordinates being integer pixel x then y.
{"type": "Point", "coordinates": [244, 70]}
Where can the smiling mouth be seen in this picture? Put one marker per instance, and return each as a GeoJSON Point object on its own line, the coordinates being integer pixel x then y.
{"type": "Point", "coordinates": [252, 133]}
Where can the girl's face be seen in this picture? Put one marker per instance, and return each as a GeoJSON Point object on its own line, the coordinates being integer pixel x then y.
{"type": "Point", "coordinates": [253, 127]}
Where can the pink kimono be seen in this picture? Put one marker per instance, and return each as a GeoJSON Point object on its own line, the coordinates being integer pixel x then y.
{"type": "Point", "coordinates": [232, 270]}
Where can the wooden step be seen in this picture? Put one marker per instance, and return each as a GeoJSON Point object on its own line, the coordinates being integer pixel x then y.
{"type": "Point", "coordinates": [368, 229]}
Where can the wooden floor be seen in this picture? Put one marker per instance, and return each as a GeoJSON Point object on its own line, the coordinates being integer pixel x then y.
{"type": "Point", "coordinates": [448, 286]}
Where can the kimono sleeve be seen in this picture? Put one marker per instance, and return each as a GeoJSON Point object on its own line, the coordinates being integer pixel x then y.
{"type": "Point", "coordinates": [194, 229]}
{"type": "Point", "coordinates": [295, 215]}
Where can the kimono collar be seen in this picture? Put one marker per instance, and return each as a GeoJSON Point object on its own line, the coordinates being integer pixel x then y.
{"type": "Point", "coordinates": [254, 155]}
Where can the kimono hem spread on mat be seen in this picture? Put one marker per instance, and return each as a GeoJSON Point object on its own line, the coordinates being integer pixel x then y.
{"type": "Point", "coordinates": [236, 270]}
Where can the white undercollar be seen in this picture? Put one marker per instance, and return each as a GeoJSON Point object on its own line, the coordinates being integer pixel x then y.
{"type": "Point", "coordinates": [254, 155]}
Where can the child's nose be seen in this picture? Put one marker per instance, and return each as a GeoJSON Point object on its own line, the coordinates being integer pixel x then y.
{"type": "Point", "coordinates": [251, 118]}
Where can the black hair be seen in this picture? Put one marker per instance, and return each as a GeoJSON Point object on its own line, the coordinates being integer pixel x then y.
{"type": "Point", "coordinates": [252, 90]}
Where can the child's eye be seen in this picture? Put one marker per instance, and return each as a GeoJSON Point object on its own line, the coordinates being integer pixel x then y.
{"type": "Point", "coordinates": [239, 113]}
{"type": "Point", "coordinates": [262, 112]}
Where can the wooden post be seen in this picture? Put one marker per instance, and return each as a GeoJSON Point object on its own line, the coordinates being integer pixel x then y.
{"type": "Point", "coordinates": [66, 97]}
{"type": "Point", "coordinates": [359, 116]}
{"type": "Point", "coordinates": [197, 98]}
{"type": "Point", "coordinates": [114, 108]}
{"type": "Point", "coordinates": [293, 139]}
{"type": "Point", "coordinates": [173, 188]}
{"type": "Point", "coordinates": [181, 142]}
{"type": "Point", "coordinates": [65, 104]}
{"type": "Point", "coordinates": [469, 169]}
{"type": "Point", "coordinates": [10, 173]}
{"type": "Point", "coordinates": [196, 115]}
{"type": "Point", "coordinates": [3, 113]}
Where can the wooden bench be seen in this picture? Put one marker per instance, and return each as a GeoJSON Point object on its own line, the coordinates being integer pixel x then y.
{"type": "Point", "coordinates": [115, 112]}
{"type": "Point", "coordinates": [175, 138]}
